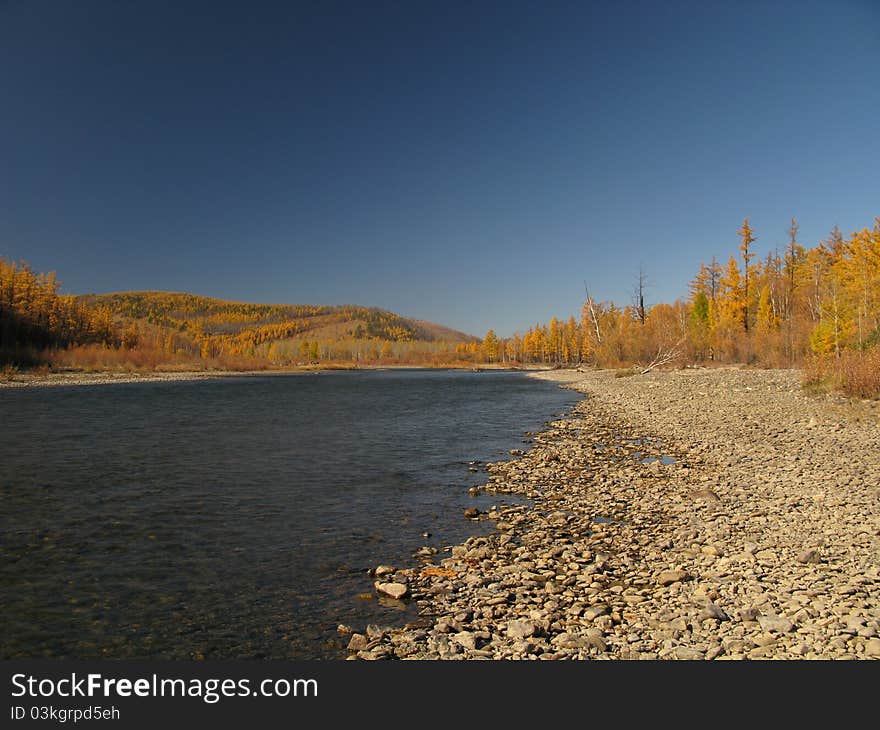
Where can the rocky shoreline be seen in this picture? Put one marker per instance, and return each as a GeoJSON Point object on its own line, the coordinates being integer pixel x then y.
{"type": "Point", "coordinates": [47, 380]}
{"type": "Point", "coordinates": [693, 514]}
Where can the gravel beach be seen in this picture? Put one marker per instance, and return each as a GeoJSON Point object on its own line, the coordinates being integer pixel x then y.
{"type": "Point", "coordinates": [691, 514]}
{"type": "Point", "coordinates": [34, 380]}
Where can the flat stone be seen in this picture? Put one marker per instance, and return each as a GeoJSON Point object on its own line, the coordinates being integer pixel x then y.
{"type": "Point", "coordinates": [395, 590]}
{"type": "Point", "coordinates": [872, 648]}
{"type": "Point", "coordinates": [776, 624]}
{"type": "Point", "coordinates": [570, 641]}
{"type": "Point", "coordinates": [733, 645]}
{"type": "Point", "coordinates": [767, 557]}
{"type": "Point", "coordinates": [593, 612]}
{"type": "Point", "coordinates": [687, 653]}
{"type": "Point", "coordinates": [466, 639]}
{"type": "Point", "coordinates": [668, 577]}
{"type": "Point", "coordinates": [521, 629]}
{"type": "Point", "coordinates": [765, 639]}
{"type": "Point", "coordinates": [855, 623]}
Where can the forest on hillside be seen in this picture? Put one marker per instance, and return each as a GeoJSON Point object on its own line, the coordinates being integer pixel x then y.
{"type": "Point", "coordinates": [168, 331]}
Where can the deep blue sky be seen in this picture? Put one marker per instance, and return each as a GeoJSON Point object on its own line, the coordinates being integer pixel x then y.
{"type": "Point", "coordinates": [466, 163]}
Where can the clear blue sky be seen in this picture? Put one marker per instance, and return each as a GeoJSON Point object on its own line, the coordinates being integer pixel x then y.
{"type": "Point", "coordinates": [466, 163]}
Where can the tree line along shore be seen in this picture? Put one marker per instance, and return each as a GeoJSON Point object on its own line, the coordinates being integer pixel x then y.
{"type": "Point", "coordinates": [817, 308]}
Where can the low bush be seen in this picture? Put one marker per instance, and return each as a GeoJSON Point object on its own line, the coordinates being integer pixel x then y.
{"type": "Point", "coordinates": [854, 373]}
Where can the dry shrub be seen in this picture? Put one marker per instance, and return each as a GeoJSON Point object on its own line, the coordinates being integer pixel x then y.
{"type": "Point", "coordinates": [817, 373]}
{"type": "Point", "coordinates": [98, 358]}
{"type": "Point", "coordinates": [145, 359]}
{"type": "Point", "coordinates": [856, 374]}
{"type": "Point", "coordinates": [8, 372]}
{"type": "Point", "coordinates": [860, 374]}
{"type": "Point", "coordinates": [238, 363]}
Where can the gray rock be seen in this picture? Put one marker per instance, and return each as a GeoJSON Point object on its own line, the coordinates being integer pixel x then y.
{"type": "Point", "coordinates": [358, 642]}
{"type": "Point", "coordinates": [466, 639]}
{"type": "Point", "coordinates": [713, 611]}
{"type": "Point", "coordinates": [571, 641]}
{"type": "Point", "coordinates": [445, 626]}
{"type": "Point", "coordinates": [593, 612]}
{"type": "Point", "coordinates": [521, 629]}
{"type": "Point", "coordinates": [596, 639]}
{"type": "Point", "coordinates": [733, 645]}
{"type": "Point", "coordinates": [809, 556]}
{"type": "Point", "coordinates": [776, 624]}
{"type": "Point", "coordinates": [688, 653]}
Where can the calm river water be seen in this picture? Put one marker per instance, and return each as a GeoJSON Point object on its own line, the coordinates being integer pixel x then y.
{"type": "Point", "coordinates": [237, 517]}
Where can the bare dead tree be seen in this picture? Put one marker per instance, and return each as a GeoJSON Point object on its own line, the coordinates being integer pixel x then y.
{"type": "Point", "coordinates": [642, 283]}
{"type": "Point", "coordinates": [791, 261]}
{"type": "Point", "coordinates": [593, 317]}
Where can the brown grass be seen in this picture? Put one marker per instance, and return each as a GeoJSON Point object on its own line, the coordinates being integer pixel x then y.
{"type": "Point", "coordinates": [855, 374]}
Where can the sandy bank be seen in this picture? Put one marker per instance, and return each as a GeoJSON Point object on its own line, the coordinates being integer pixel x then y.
{"type": "Point", "coordinates": [697, 514]}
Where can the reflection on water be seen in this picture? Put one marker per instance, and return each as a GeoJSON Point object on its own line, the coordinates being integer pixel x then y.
{"type": "Point", "coordinates": [237, 518]}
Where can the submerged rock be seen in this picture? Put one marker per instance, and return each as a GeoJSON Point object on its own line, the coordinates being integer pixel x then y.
{"type": "Point", "coordinates": [395, 590]}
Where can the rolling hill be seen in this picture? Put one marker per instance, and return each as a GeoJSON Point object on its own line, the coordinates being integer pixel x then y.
{"type": "Point", "coordinates": [283, 333]}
